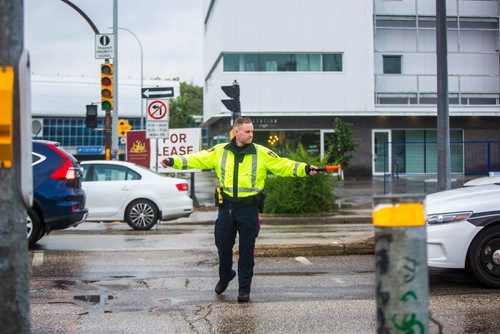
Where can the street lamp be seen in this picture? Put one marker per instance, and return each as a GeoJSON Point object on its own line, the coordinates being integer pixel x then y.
{"type": "Point", "coordinates": [142, 72]}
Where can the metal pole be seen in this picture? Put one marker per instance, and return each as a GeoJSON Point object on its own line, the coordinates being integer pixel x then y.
{"type": "Point", "coordinates": [142, 72]}
{"type": "Point", "coordinates": [115, 114]}
{"type": "Point", "coordinates": [443, 119]}
{"type": "Point", "coordinates": [14, 282]}
{"type": "Point", "coordinates": [402, 284]}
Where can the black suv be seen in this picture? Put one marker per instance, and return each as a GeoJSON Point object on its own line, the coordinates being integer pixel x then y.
{"type": "Point", "coordinates": [59, 200]}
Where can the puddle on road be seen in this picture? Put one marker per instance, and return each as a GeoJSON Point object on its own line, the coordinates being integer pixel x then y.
{"type": "Point", "coordinates": [292, 274]}
{"type": "Point", "coordinates": [94, 299]}
{"type": "Point", "coordinates": [99, 301]}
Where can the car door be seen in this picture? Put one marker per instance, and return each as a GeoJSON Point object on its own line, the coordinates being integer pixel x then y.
{"type": "Point", "coordinates": [108, 187]}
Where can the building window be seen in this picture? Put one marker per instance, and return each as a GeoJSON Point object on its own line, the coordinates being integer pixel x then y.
{"type": "Point", "coordinates": [282, 62]}
{"type": "Point", "coordinates": [392, 64]}
{"type": "Point", "coordinates": [332, 62]}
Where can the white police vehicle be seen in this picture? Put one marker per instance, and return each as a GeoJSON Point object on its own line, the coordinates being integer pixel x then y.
{"type": "Point", "coordinates": [463, 231]}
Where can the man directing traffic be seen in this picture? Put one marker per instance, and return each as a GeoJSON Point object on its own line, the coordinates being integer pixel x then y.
{"type": "Point", "coordinates": [241, 167]}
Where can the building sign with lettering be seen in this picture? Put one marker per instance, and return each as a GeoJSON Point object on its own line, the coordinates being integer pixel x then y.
{"type": "Point", "coordinates": [138, 148]}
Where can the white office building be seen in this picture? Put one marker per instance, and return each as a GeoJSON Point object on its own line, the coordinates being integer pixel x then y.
{"type": "Point", "coordinates": [301, 64]}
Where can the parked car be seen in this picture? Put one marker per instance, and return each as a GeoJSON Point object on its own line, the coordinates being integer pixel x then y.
{"type": "Point", "coordinates": [58, 197]}
{"type": "Point", "coordinates": [463, 231]}
{"type": "Point", "coordinates": [482, 181]}
{"type": "Point", "coordinates": [123, 191]}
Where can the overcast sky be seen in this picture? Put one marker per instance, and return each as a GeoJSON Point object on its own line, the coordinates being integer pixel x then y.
{"type": "Point", "coordinates": [61, 42]}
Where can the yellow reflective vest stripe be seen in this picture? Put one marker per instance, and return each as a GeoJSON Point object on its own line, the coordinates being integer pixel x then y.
{"type": "Point", "coordinates": [252, 170]}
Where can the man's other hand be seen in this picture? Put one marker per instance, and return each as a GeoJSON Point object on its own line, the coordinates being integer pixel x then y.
{"type": "Point", "coordinates": [167, 162]}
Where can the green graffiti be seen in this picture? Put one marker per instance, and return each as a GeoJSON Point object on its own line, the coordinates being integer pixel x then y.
{"type": "Point", "coordinates": [408, 295]}
{"type": "Point", "coordinates": [408, 324]}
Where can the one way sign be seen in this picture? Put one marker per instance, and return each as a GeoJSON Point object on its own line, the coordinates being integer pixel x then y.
{"type": "Point", "coordinates": [157, 92]}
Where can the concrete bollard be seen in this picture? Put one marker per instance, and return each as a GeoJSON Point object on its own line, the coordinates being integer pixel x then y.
{"type": "Point", "coordinates": [402, 281]}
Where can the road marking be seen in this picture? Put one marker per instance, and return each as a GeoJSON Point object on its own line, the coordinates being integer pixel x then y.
{"type": "Point", "coordinates": [37, 259]}
{"type": "Point", "coordinates": [303, 260]}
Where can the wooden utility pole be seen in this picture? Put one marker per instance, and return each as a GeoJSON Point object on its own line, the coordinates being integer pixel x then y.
{"type": "Point", "coordinates": [14, 291]}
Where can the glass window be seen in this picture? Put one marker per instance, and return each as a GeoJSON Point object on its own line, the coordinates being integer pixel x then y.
{"type": "Point", "coordinates": [392, 64]}
{"type": "Point", "coordinates": [282, 62]}
{"type": "Point", "coordinates": [110, 173]}
{"type": "Point", "coordinates": [308, 62]}
{"type": "Point", "coordinates": [231, 63]}
{"type": "Point", "coordinates": [396, 23]}
{"type": "Point", "coordinates": [249, 62]}
{"type": "Point", "coordinates": [277, 62]}
{"type": "Point", "coordinates": [332, 62]}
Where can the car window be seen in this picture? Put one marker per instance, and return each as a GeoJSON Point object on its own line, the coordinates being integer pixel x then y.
{"type": "Point", "coordinates": [114, 173]}
{"type": "Point", "coordinates": [85, 170]}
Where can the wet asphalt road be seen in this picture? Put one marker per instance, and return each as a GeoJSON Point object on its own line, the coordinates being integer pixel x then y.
{"type": "Point", "coordinates": [119, 281]}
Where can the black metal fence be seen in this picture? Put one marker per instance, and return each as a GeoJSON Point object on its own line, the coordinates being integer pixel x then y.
{"type": "Point", "coordinates": [412, 166]}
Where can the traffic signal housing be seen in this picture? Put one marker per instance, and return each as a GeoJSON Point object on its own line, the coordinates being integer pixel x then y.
{"type": "Point", "coordinates": [232, 104]}
{"type": "Point", "coordinates": [91, 116]}
{"type": "Point", "coordinates": [107, 86]}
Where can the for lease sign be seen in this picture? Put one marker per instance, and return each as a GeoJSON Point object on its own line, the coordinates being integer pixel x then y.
{"type": "Point", "coordinates": [178, 142]}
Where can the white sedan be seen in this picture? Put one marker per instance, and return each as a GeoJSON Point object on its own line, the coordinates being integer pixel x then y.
{"type": "Point", "coordinates": [463, 231]}
{"type": "Point", "coordinates": [123, 191]}
{"type": "Point", "coordinates": [482, 181]}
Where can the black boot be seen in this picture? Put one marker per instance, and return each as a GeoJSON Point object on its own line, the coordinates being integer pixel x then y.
{"type": "Point", "coordinates": [243, 297]}
{"type": "Point", "coordinates": [222, 285]}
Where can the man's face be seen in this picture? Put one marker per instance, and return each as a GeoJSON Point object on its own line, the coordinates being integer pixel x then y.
{"type": "Point", "coordinates": [244, 134]}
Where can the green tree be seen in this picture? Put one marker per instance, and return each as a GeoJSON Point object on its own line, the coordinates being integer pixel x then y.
{"type": "Point", "coordinates": [343, 143]}
{"type": "Point", "coordinates": [187, 104]}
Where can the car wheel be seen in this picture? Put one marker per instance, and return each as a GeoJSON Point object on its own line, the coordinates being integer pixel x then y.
{"type": "Point", "coordinates": [484, 256]}
{"type": "Point", "coordinates": [141, 214]}
{"type": "Point", "coordinates": [34, 227]}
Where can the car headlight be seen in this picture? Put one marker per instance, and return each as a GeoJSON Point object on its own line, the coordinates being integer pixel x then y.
{"type": "Point", "coordinates": [445, 218]}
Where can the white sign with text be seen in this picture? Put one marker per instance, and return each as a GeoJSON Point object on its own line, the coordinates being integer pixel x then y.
{"type": "Point", "coordinates": [178, 142]}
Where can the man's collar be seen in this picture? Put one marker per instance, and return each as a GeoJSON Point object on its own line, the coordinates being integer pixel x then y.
{"type": "Point", "coordinates": [247, 149]}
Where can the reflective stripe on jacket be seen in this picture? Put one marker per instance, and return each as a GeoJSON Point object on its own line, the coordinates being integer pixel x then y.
{"type": "Point", "coordinates": [254, 162]}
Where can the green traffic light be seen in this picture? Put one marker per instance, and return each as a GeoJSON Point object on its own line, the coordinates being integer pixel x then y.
{"type": "Point", "coordinates": [106, 105]}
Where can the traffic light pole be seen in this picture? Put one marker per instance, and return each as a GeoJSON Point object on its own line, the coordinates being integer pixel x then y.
{"type": "Point", "coordinates": [14, 288]}
{"type": "Point", "coordinates": [115, 115]}
{"type": "Point", "coordinates": [107, 134]}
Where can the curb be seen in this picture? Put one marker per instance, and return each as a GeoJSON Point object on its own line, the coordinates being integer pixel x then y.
{"type": "Point", "coordinates": [312, 220]}
{"type": "Point", "coordinates": [364, 246]}
{"type": "Point", "coordinates": [288, 220]}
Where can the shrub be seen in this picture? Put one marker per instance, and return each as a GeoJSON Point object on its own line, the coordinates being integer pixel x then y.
{"type": "Point", "coordinates": [298, 195]}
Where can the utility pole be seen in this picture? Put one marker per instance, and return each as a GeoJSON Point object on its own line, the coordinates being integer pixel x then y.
{"type": "Point", "coordinates": [115, 115]}
{"type": "Point", "coordinates": [443, 119]}
{"type": "Point", "coordinates": [14, 291]}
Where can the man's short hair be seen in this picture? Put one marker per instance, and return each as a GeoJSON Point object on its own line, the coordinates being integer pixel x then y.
{"type": "Point", "coordinates": [241, 121]}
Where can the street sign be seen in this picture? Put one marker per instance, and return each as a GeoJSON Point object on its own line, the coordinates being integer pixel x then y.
{"type": "Point", "coordinates": [89, 149]}
{"type": "Point", "coordinates": [104, 46]}
{"type": "Point", "coordinates": [157, 118]}
{"type": "Point", "coordinates": [157, 92]}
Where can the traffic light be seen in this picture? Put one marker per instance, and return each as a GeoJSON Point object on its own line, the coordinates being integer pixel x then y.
{"type": "Point", "coordinates": [233, 104]}
{"type": "Point", "coordinates": [91, 116]}
{"type": "Point", "coordinates": [107, 86]}
{"type": "Point", "coordinates": [123, 127]}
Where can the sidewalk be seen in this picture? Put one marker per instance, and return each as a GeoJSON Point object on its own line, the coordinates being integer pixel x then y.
{"type": "Point", "coordinates": [346, 231]}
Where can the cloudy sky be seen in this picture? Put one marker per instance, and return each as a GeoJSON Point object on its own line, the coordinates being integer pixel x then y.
{"type": "Point", "coordinates": [61, 42]}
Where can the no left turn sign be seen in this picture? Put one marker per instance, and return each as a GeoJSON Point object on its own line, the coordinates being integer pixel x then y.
{"type": "Point", "coordinates": [157, 109]}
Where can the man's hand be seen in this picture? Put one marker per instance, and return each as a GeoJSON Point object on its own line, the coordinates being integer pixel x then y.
{"type": "Point", "coordinates": [314, 170]}
{"type": "Point", "coordinates": [167, 162]}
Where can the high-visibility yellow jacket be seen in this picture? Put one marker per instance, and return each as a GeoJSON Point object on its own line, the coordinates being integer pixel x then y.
{"type": "Point", "coordinates": [241, 172]}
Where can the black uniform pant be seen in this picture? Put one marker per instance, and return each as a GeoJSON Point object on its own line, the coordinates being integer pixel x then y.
{"type": "Point", "coordinates": [242, 219]}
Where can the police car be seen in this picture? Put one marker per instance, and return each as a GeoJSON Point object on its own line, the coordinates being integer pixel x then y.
{"type": "Point", "coordinates": [463, 231]}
